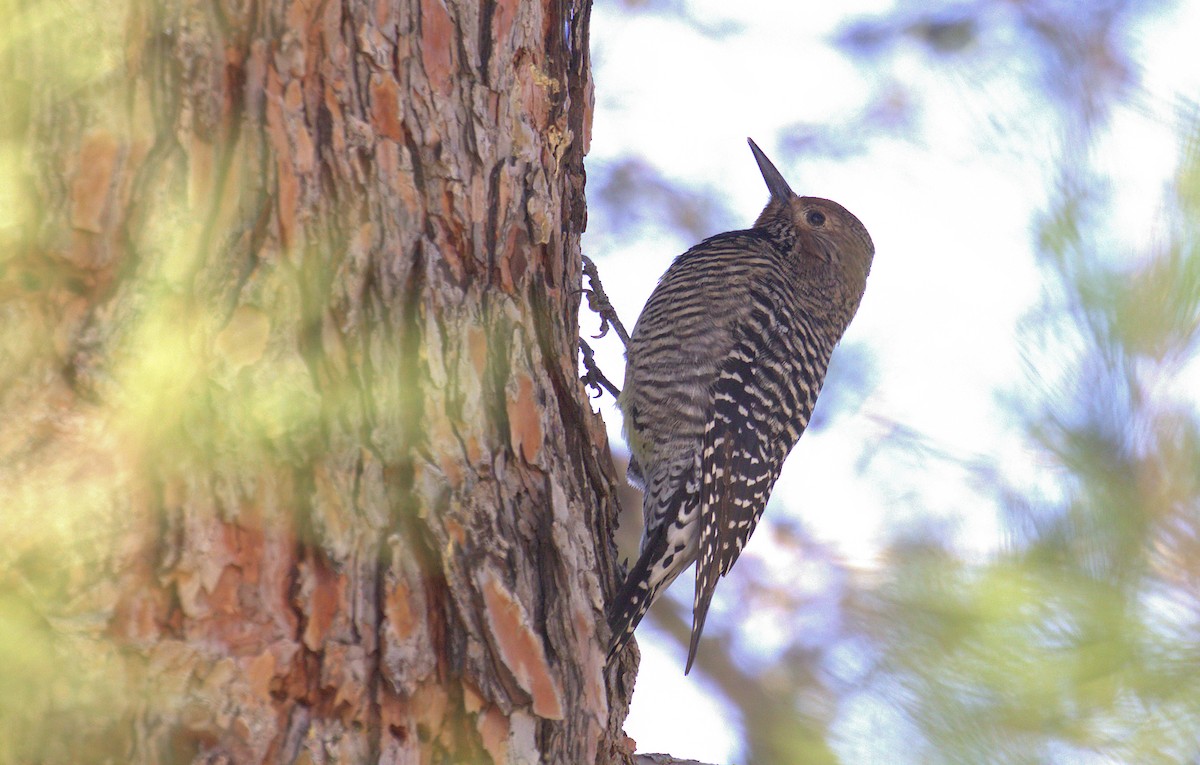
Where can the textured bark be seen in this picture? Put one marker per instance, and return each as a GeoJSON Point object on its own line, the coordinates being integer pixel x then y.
{"type": "Point", "coordinates": [297, 464]}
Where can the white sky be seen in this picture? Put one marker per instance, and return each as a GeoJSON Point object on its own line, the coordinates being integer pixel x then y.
{"type": "Point", "coordinates": [950, 215]}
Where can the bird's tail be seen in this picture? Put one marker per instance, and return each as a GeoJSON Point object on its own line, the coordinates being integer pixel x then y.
{"type": "Point", "coordinates": [670, 550]}
{"type": "Point", "coordinates": [639, 590]}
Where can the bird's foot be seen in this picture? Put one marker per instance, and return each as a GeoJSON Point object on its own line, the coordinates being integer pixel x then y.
{"type": "Point", "coordinates": [594, 378]}
{"type": "Point", "coordinates": [599, 303]}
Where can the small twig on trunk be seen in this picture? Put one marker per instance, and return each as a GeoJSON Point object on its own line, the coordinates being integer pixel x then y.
{"type": "Point", "coordinates": [663, 759]}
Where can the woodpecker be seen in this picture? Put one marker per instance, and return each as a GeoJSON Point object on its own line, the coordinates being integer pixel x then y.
{"type": "Point", "coordinates": [723, 369]}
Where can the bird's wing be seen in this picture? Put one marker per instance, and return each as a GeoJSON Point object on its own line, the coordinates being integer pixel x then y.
{"type": "Point", "coordinates": [737, 477]}
{"type": "Point", "coordinates": [761, 404]}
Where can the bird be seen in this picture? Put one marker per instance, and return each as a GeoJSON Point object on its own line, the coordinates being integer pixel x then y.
{"type": "Point", "coordinates": [723, 368]}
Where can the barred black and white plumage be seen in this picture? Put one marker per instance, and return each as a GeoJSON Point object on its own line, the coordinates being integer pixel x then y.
{"type": "Point", "coordinates": [724, 367]}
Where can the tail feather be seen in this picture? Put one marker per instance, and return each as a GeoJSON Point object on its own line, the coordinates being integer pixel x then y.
{"type": "Point", "coordinates": [699, 614]}
{"type": "Point", "coordinates": [635, 596]}
{"type": "Point", "coordinates": [708, 570]}
{"type": "Point", "coordinates": [670, 550]}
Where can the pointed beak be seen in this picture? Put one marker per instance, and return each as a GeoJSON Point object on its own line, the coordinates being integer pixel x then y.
{"type": "Point", "coordinates": [778, 186]}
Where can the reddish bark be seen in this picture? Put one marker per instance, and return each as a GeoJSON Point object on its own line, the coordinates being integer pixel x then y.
{"type": "Point", "coordinates": [293, 376]}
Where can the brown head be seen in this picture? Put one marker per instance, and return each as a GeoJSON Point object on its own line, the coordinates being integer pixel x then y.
{"type": "Point", "coordinates": [830, 248]}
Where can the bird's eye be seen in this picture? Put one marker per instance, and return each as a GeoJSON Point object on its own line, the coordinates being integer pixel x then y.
{"type": "Point", "coordinates": [815, 218]}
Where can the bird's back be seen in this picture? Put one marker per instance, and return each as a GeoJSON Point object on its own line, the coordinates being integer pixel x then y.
{"type": "Point", "coordinates": [682, 335]}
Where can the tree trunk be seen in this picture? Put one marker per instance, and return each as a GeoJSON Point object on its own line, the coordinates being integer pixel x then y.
{"type": "Point", "coordinates": [296, 466]}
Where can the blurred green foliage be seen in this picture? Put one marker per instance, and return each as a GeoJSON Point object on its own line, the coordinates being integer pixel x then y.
{"type": "Point", "coordinates": [130, 358]}
{"type": "Point", "coordinates": [1080, 642]}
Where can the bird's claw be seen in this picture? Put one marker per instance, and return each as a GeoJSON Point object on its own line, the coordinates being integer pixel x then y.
{"type": "Point", "coordinates": [594, 378]}
{"type": "Point", "coordinates": [599, 304]}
